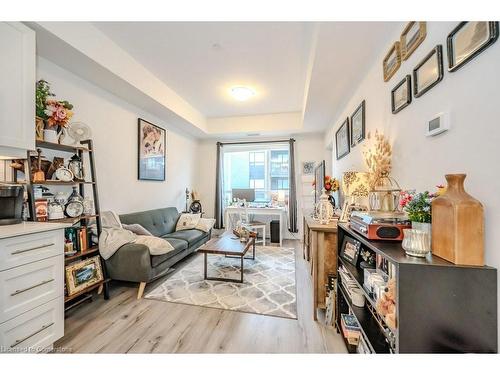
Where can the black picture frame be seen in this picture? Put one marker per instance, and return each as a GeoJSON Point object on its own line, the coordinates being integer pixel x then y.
{"type": "Point", "coordinates": [343, 127]}
{"type": "Point", "coordinates": [437, 53]}
{"type": "Point", "coordinates": [493, 29]}
{"type": "Point", "coordinates": [405, 82]}
{"type": "Point", "coordinates": [350, 250]}
{"type": "Point", "coordinates": [147, 170]}
{"type": "Point", "coordinates": [360, 111]}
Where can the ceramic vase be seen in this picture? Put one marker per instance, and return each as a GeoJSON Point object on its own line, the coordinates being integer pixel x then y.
{"type": "Point", "coordinates": [424, 227]}
{"type": "Point", "coordinates": [458, 225]}
{"type": "Point", "coordinates": [50, 135]}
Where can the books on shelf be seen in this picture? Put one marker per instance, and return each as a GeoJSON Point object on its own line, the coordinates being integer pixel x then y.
{"type": "Point", "coordinates": [79, 237]}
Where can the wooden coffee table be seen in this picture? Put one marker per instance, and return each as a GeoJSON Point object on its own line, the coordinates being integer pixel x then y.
{"type": "Point", "coordinates": [230, 246]}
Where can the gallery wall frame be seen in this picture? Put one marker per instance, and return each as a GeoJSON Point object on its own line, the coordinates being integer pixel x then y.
{"type": "Point", "coordinates": [468, 40]}
{"type": "Point", "coordinates": [429, 72]}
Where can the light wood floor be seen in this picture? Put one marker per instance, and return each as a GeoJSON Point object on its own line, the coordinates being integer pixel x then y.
{"type": "Point", "coordinates": [124, 324]}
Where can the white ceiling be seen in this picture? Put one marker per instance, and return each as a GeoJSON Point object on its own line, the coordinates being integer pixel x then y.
{"type": "Point", "coordinates": [202, 60]}
{"type": "Point", "coordinates": [343, 53]}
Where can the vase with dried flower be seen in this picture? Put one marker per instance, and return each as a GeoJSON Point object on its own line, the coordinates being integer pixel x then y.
{"type": "Point", "coordinates": [52, 116]}
{"type": "Point", "coordinates": [384, 190]}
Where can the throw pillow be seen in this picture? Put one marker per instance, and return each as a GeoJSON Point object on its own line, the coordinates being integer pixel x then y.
{"type": "Point", "coordinates": [157, 245]}
{"type": "Point", "coordinates": [205, 224]}
{"type": "Point", "coordinates": [137, 229]}
{"type": "Point", "coordinates": [187, 221]}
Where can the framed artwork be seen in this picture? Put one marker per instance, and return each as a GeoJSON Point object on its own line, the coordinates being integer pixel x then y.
{"type": "Point", "coordinates": [342, 140]}
{"type": "Point", "coordinates": [357, 131]}
{"type": "Point", "coordinates": [429, 72]}
{"type": "Point", "coordinates": [350, 250]}
{"type": "Point", "coordinates": [412, 36]}
{"type": "Point", "coordinates": [468, 40]}
{"type": "Point", "coordinates": [152, 151]}
{"type": "Point", "coordinates": [82, 274]}
{"type": "Point", "coordinates": [392, 61]}
{"type": "Point", "coordinates": [307, 168]}
{"type": "Point", "coordinates": [401, 95]}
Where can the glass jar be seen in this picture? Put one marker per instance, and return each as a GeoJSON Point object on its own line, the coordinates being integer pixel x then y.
{"type": "Point", "coordinates": [416, 243]}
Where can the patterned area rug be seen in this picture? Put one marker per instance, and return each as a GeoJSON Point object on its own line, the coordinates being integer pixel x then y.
{"type": "Point", "coordinates": [268, 287]}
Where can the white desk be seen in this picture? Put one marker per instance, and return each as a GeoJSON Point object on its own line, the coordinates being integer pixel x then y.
{"type": "Point", "coordinates": [280, 212]}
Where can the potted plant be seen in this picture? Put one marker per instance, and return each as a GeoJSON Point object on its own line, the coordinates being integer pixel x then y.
{"type": "Point", "coordinates": [418, 207]}
{"type": "Point", "coordinates": [52, 116]}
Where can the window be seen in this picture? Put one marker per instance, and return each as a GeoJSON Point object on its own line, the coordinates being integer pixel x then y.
{"type": "Point", "coordinates": [263, 167]}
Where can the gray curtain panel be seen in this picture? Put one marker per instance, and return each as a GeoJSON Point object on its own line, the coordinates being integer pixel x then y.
{"type": "Point", "coordinates": [292, 199]}
{"type": "Point", "coordinates": [219, 212]}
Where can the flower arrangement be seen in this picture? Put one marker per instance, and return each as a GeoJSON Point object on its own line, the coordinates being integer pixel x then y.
{"type": "Point", "coordinates": [54, 113]}
{"type": "Point", "coordinates": [378, 158]}
{"type": "Point", "coordinates": [418, 205]}
{"type": "Point", "coordinates": [331, 184]}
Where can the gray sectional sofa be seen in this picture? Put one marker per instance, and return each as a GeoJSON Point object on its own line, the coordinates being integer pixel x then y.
{"type": "Point", "coordinates": [133, 262]}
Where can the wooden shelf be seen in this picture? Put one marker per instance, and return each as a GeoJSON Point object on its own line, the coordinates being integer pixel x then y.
{"type": "Point", "coordinates": [92, 250]}
{"type": "Point", "coordinates": [86, 290]}
{"type": "Point", "coordinates": [58, 147]}
{"type": "Point", "coordinates": [73, 219]}
{"type": "Point", "coordinates": [63, 183]}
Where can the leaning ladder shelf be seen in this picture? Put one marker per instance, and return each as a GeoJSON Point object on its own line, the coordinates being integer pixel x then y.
{"type": "Point", "coordinates": [86, 148]}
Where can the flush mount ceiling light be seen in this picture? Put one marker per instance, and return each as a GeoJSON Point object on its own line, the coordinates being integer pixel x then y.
{"type": "Point", "coordinates": [242, 93]}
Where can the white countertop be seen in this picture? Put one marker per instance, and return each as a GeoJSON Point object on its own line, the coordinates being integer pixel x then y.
{"type": "Point", "coordinates": [28, 227]}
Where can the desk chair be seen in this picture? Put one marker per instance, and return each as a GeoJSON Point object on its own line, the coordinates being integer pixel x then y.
{"type": "Point", "coordinates": [252, 224]}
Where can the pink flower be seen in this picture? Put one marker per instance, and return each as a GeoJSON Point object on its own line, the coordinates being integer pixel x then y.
{"type": "Point", "coordinates": [60, 114]}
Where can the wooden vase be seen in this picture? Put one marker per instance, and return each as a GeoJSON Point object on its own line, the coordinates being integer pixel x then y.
{"type": "Point", "coordinates": [458, 225]}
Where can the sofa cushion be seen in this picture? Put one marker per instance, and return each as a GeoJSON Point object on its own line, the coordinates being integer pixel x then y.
{"type": "Point", "coordinates": [159, 222]}
{"type": "Point", "coordinates": [190, 235]}
{"type": "Point", "coordinates": [178, 245]}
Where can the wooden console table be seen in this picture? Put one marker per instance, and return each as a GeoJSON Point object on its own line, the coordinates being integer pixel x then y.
{"type": "Point", "coordinates": [320, 250]}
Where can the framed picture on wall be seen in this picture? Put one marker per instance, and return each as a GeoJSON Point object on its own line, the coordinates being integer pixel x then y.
{"type": "Point", "coordinates": [308, 168]}
{"type": "Point", "coordinates": [342, 140]}
{"type": "Point", "coordinates": [358, 125]}
{"type": "Point", "coordinates": [411, 37]}
{"type": "Point", "coordinates": [152, 151]}
{"type": "Point", "coordinates": [401, 95]}
{"type": "Point", "coordinates": [468, 40]}
{"type": "Point", "coordinates": [429, 72]}
{"type": "Point", "coordinates": [392, 61]}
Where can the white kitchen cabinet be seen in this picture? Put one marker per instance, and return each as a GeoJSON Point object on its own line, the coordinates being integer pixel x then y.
{"type": "Point", "coordinates": [31, 286]}
{"type": "Point", "coordinates": [17, 90]}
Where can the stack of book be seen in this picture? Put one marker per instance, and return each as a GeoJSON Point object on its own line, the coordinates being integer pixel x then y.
{"type": "Point", "coordinates": [350, 328]}
{"type": "Point", "coordinates": [79, 237]}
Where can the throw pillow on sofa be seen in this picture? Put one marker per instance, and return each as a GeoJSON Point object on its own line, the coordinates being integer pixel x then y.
{"type": "Point", "coordinates": [157, 245]}
{"type": "Point", "coordinates": [205, 225]}
{"type": "Point", "coordinates": [137, 229]}
{"type": "Point", "coordinates": [187, 221]}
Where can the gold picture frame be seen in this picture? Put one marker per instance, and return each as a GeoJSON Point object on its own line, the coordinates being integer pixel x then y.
{"type": "Point", "coordinates": [80, 275]}
{"type": "Point", "coordinates": [392, 61]}
{"type": "Point", "coordinates": [412, 37]}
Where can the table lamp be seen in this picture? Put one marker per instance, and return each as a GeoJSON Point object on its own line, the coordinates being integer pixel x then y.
{"type": "Point", "coordinates": [355, 185]}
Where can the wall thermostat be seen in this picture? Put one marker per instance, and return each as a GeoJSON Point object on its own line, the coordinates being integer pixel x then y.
{"type": "Point", "coordinates": [438, 124]}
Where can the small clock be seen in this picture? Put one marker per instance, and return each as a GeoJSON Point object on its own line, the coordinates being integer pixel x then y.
{"type": "Point", "coordinates": [74, 209]}
{"type": "Point", "coordinates": [64, 174]}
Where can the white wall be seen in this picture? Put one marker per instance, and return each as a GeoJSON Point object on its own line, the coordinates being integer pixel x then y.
{"type": "Point", "coordinates": [114, 132]}
{"type": "Point", "coordinates": [470, 146]}
{"type": "Point", "coordinates": [307, 148]}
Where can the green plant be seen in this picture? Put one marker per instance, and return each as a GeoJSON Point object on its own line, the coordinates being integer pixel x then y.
{"type": "Point", "coordinates": [418, 206]}
{"type": "Point", "coordinates": [42, 93]}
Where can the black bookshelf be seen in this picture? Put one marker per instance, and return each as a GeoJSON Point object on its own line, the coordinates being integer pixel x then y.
{"type": "Point", "coordinates": [441, 307]}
